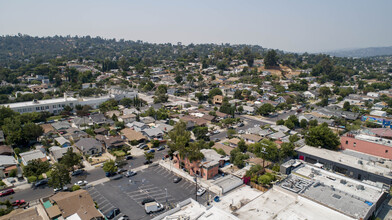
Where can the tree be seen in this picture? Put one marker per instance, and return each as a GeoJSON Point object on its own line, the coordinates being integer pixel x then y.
{"type": "Point", "coordinates": [36, 168]}
{"type": "Point", "coordinates": [303, 123]}
{"type": "Point", "coordinates": [313, 123]}
{"type": "Point", "coordinates": [240, 109]}
{"type": "Point", "coordinates": [323, 102]}
{"type": "Point", "coordinates": [213, 92]}
{"type": "Point", "coordinates": [231, 132]}
{"type": "Point", "coordinates": [110, 166]}
{"type": "Point", "coordinates": [346, 106]}
{"type": "Point", "coordinates": [149, 156]}
{"type": "Point", "coordinates": [200, 132]}
{"type": "Point", "coordinates": [280, 122]}
{"type": "Point", "coordinates": [289, 124]}
{"type": "Point", "coordinates": [271, 59]}
{"type": "Point", "coordinates": [71, 159]}
{"type": "Point", "coordinates": [31, 131]}
{"type": "Point", "coordinates": [322, 136]}
{"type": "Point", "coordinates": [178, 79]}
{"type": "Point", "coordinates": [12, 129]}
{"type": "Point", "coordinates": [266, 109]}
{"type": "Point", "coordinates": [179, 137]}
{"type": "Point", "coordinates": [59, 176]}
{"type": "Point", "coordinates": [286, 150]}
{"type": "Point", "coordinates": [325, 92]}
{"type": "Point", "coordinates": [242, 145]}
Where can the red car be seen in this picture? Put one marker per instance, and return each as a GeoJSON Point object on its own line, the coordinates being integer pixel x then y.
{"type": "Point", "coordinates": [7, 192]}
{"type": "Point", "coordinates": [18, 203]}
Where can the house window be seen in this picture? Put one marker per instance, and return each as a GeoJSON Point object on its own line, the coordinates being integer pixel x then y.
{"type": "Point", "coordinates": [346, 142]}
{"type": "Point", "coordinates": [47, 107]}
{"type": "Point", "coordinates": [386, 151]}
{"type": "Point", "coordinates": [54, 106]}
{"type": "Point", "coordinates": [37, 108]}
{"type": "Point", "coordinates": [355, 144]}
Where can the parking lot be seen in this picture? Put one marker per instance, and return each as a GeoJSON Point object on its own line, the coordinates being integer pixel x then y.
{"type": "Point", "coordinates": [155, 182]}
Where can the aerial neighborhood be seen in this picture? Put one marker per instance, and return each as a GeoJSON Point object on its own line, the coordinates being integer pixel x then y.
{"type": "Point", "coordinates": [94, 129]}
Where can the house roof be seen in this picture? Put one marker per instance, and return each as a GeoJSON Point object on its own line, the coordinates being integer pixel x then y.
{"type": "Point", "coordinates": [47, 128]}
{"type": "Point", "coordinates": [61, 125]}
{"type": "Point", "coordinates": [32, 155]}
{"type": "Point", "coordinates": [62, 140]}
{"type": "Point", "coordinates": [7, 160]}
{"type": "Point", "coordinates": [53, 211]}
{"type": "Point", "coordinates": [58, 152]}
{"type": "Point", "coordinates": [79, 202]}
{"type": "Point", "coordinates": [234, 141]}
{"type": "Point", "coordinates": [131, 134]}
{"type": "Point", "coordinates": [5, 149]}
{"type": "Point", "coordinates": [277, 135]}
{"type": "Point", "coordinates": [252, 137]}
{"type": "Point", "coordinates": [221, 114]}
{"type": "Point", "coordinates": [114, 141]}
{"type": "Point", "coordinates": [225, 148]}
{"type": "Point", "coordinates": [30, 214]}
{"type": "Point", "coordinates": [382, 132]}
{"type": "Point", "coordinates": [85, 144]}
{"type": "Point", "coordinates": [151, 132]}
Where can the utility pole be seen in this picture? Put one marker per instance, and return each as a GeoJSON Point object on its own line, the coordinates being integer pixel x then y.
{"type": "Point", "coordinates": [166, 197]}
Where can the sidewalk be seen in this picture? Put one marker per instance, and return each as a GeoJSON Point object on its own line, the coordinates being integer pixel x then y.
{"type": "Point", "coordinates": [258, 119]}
{"type": "Point", "coordinates": [204, 183]}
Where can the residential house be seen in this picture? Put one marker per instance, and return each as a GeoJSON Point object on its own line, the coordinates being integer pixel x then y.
{"type": "Point", "coordinates": [89, 146]}
{"type": "Point", "coordinates": [164, 127]}
{"type": "Point", "coordinates": [56, 152]}
{"type": "Point", "coordinates": [153, 133]}
{"type": "Point", "coordinates": [61, 126]}
{"type": "Point", "coordinates": [147, 120]}
{"type": "Point", "coordinates": [6, 150]}
{"type": "Point", "coordinates": [280, 128]}
{"type": "Point", "coordinates": [110, 114]}
{"type": "Point", "coordinates": [81, 122]}
{"type": "Point", "coordinates": [74, 134]}
{"type": "Point", "coordinates": [26, 157]}
{"type": "Point", "coordinates": [248, 110]}
{"type": "Point", "coordinates": [251, 138]}
{"type": "Point", "coordinates": [100, 119]}
{"type": "Point", "coordinates": [225, 148]}
{"type": "Point", "coordinates": [73, 205]}
{"type": "Point", "coordinates": [7, 163]}
{"type": "Point", "coordinates": [62, 141]}
{"type": "Point", "coordinates": [133, 135]}
{"type": "Point", "coordinates": [309, 95]}
{"type": "Point", "coordinates": [127, 118]}
{"type": "Point", "coordinates": [128, 111]}
{"type": "Point", "coordinates": [114, 142]}
{"type": "Point", "coordinates": [222, 115]}
{"type": "Point", "coordinates": [277, 136]}
{"type": "Point", "coordinates": [234, 142]}
{"type": "Point", "coordinates": [101, 131]}
{"type": "Point", "coordinates": [48, 129]}
{"type": "Point", "coordinates": [218, 99]}
{"type": "Point", "coordinates": [137, 126]}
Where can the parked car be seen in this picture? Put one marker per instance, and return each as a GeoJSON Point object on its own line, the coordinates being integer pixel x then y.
{"type": "Point", "coordinates": [241, 132]}
{"type": "Point", "coordinates": [20, 203]}
{"type": "Point", "coordinates": [200, 191]}
{"type": "Point", "coordinates": [59, 189]}
{"type": "Point", "coordinates": [77, 172]}
{"type": "Point", "coordinates": [7, 192]}
{"type": "Point", "coordinates": [177, 179]}
{"type": "Point", "coordinates": [240, 124]}
{"type": "Point", "coordinates": [216, 132]}
{"type": "Point", "coordinates": [113, 213]}
{"type": "Point", "coordinates": [161, 148]}
{"type": "Point", "coordinates": [144, 146]}
{"type": "Point", "coordinates": [109, 174]}
{"type": "Point", "coordinates": [147, 162]}
{"type": "Point", "coordinates": [129, 157]}
{"type": "Point", "coordinates": [81, 183]}
{"type": "Point", "coordinates": [216, 139]}
{"type": "Point", "coordinates": [41, 182]}
{"type": "Point", "coordinates": [129, 173]}
{"type": "Point", "coordinates": [124, 217]}
{"type": "Point", "coordinates": [153, 207]}
{"type": "Point", "coordinates": [147, 200]}
{"type": "Point", "coordinates": [151, 151]}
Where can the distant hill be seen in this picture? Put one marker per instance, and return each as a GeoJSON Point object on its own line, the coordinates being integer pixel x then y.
{"type": "Point", "coordinates": [362, 52]}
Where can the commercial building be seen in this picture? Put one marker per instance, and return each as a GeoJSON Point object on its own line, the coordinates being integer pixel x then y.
{"type": "Point", "coordinates": [355, 166]}
{"type": "Point", "coordinates": [353, 198]}
{"type": "Point", "coordinates": [372, 145]}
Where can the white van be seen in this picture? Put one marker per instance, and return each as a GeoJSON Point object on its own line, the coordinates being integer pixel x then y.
{"type": "Point", "coordinates": [153, 207]}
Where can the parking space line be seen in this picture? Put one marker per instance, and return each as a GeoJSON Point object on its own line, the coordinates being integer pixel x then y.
{"type": "Point", "coordinates": [119, 216]}
{"type": "Point", "coordinates": [106, 205]}
{"type": "Point", "coordinates": [146, 186]}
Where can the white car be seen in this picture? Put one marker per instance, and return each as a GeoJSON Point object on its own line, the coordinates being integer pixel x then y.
{"type": "Point", "coordinates": [81, 183]}
{"type": "Point", "coordinates": [200, 191]}
{"type": "Point", "coordinates": [216, 132]}
{"type": "Point", "coordinates": [241, 132]}
{"type": "Point", "coordinates": [58, 189]}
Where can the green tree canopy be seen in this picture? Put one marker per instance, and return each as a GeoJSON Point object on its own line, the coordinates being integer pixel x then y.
{"type": "Point", "coordinates": [71, 159]}
{"type": "Point", "coordinates": [271, 59]}
{"type": "Point", "coordinates": [322, 136]}
{"type": "Point", "coordinates": [59, 176]}
{"type": "Point", "coordinates": [110, 166]}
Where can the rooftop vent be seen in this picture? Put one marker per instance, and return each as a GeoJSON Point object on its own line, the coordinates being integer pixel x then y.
{"type": "Point", "coordinates": [360, 187]}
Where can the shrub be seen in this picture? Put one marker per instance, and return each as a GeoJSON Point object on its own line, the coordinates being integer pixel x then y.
{"type": "Point", "coordinates": [75, 187]}
{"type": "Point", "coordinates": [31, 179]}
{"type": "Point", "coordinates": [49, 173]}
{"type": "Point", "coordinates": [134, 142]}
{"type": "Point", "coordinates": [13, 172]}
{"type": "Point", "coordinates": [119, 153]}
{"type": "Point", "coordinates": [40, 177]}
{"type": "Point", "coordinates": [2, 183]}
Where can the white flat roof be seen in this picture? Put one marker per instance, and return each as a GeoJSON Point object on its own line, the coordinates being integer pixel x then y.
{"type": "Point", "coordinates": [345, 159]}
{"type": "Point", "coordinates": [39, 102]}
{"type": "Point", "coordinates": [276, 204]}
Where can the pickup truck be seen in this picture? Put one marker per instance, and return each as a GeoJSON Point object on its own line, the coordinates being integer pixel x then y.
{"type": "Point", "coordinates": [153, 207]}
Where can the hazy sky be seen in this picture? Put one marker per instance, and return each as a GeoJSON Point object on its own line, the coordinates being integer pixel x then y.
{"type": "Point", "coordinates": [291, 25]}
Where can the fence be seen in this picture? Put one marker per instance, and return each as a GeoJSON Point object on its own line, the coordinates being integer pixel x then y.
{"type": "Point", "coordinates": [259, 187]}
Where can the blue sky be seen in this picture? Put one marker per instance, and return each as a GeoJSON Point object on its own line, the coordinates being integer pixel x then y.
{"type": "Point", "coordinates": [291, 25]}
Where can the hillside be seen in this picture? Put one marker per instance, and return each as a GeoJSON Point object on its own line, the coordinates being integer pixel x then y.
{"type": "Point", "coordinates": [362, 52]}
